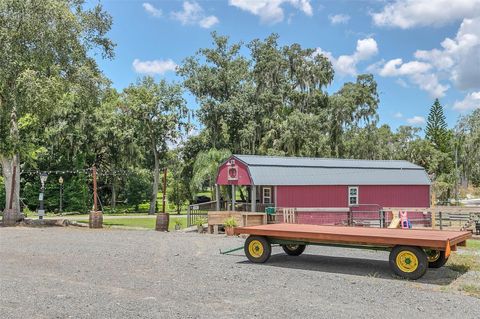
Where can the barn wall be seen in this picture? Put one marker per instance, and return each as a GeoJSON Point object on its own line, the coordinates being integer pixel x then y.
{"type": "Point", "coordinates": [243, 176]}
{"type": "Point", "coordinates": [312, 196]}
{"type": "Point", "coordinates": [369, 196]}
{"type": "Point", "coordinates": [395, 195]}
{"type": "Point", "coordinates": [371, 199]}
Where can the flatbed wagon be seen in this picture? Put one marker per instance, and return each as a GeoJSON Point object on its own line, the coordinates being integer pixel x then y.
{"type": "Point", "coordinates": [412, 251]}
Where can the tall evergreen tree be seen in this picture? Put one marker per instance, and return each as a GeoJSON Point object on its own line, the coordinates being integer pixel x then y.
{"type": "Point", "coordinates": [436, 130]}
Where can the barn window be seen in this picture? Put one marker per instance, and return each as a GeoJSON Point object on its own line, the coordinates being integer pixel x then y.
{"type": "Point", "coordinates": [353, 195]}
{"type": "Point", "coordinates": [267, 195]}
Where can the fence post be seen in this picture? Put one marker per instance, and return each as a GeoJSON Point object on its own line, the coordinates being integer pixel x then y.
{"type": "Point", "coordinates": [189, 217]}
{"type": "Point", "coordinates": [440, 220]}
{"type": "Point", "coordinates": [382, 219]}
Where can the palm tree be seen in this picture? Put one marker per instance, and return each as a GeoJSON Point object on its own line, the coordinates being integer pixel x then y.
{"type": "Point", "coordinates": [206, 167]}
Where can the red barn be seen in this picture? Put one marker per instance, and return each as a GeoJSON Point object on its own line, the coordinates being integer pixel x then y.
{"type": "Point", "coordinates": [321, 188]}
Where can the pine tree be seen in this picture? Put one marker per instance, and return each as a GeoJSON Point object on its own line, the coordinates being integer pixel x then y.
{"type": "Point", "coordinates": [436, 130]}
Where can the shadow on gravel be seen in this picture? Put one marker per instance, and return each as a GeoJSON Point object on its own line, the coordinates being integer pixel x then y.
{"type": "Point", "coordinates": [355, 266]}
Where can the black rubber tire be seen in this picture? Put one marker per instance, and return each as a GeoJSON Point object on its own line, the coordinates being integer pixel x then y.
{"type": "Point", "coordinates": [421, 267]}
{"type": "Point", "coordinates": [265, 245]}
{"type": "Point", "coordinates": [438, 262]}
{"type": "Point", "coordinates": [293, 250]}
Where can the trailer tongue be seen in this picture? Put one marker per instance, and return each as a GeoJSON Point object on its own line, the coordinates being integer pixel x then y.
{"type": "Point", "coordinates": [412, 251]}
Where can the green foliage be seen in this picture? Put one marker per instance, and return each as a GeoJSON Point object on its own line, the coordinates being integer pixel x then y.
{"type": "Point", "coordinates": [206, 167]}
{"type": "Point", "coordinates": [138, 187]}
{"type": "Point", "coordinates": [276, 101]}
{"type": "Point", "coordinates": [436, 130]}
{"type": "Point", "coordinates": [199, 222]}
{"type": "Point", "coordinates": [230, 222]}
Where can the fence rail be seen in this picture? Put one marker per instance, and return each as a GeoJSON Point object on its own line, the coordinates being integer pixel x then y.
{"type": "Point", "coordinates": [370, 215]}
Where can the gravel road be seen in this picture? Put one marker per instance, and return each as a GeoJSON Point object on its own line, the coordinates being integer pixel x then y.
{"type": "Point", "coordinates": [82, 273]}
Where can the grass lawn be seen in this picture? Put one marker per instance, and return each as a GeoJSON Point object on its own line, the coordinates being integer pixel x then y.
{"type": "Point", "coordinates": [148, 223]}
{"type": "Point", "coordinates": [464, 260]}
{"type": "Point", "coordinates": [468, 258]}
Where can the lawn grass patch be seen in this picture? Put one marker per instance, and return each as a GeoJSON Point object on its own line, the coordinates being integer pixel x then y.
{"type": "Point", "coordinates": [147, 223]}
{"type": "Point", "coordinates": [467, 258]}
{"type": "Point", "coordinates": [473, 290]}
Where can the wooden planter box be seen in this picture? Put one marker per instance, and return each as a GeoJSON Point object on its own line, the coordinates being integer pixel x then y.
{"type": "Point", "coordinates": [217, 218]}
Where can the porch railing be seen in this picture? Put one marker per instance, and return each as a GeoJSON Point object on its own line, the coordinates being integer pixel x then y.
{"type": "Point", "coordinates": [200, 211]}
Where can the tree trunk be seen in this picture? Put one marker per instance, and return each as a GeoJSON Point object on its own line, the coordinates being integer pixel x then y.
{"type": "Point", "coordinates": [8, 164]}
{"type": "Point", "coordinates": [156, 175]}
{"type": "Point", "coordinates": [114, 194]}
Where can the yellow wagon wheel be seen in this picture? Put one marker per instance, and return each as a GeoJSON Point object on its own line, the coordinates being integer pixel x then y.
{"type": "Point", "coordinates": [408, 261]}
{"type": "Point", "coordinates": [257, 249]}
{"type": "Point", "coordinates": [436, 258]}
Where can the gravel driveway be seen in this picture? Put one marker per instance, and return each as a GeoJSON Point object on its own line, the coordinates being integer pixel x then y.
{"type": "Point", "coordinates": [82, 273]}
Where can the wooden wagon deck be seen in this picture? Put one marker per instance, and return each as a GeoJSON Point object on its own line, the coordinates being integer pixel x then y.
{"type": "Point", "coordinates": [359, 235]}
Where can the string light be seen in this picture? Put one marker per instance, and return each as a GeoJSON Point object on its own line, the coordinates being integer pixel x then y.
{"type": "Point", "coordinates": [78, 171]}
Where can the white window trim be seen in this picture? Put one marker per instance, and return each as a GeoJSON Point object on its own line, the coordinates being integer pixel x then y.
{"type": "Point", "coordinates": [356, 196]}
{"type": "Point", "coordinates": [269, 197]}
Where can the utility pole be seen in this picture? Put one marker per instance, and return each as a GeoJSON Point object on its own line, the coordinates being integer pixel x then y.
{"type": "Point", "coordinates": [41, 209]}
{"type": "Point", "coordinates": [60, 181]}
{"type": "Point", "coordinates": [164, 190]}
{"type": "Point", "coordinates": [96, 217]}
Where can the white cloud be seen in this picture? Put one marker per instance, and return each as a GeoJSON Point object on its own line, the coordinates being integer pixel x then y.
{"type": "Point", "coordinates": [152, 10]}
{"type": "Point", "coordinates": [416, 120]}
{"type": "Point", "coordinates": [396, 67]}
{"type": "Point", "coordinates": [418, 73]}
{"type": "Point", "coordinates": [457, 61]}
{"type": "Point", "coordinates": [271, 11]}
{"type": "Point", "coordinates": [154, 66]}
{"type": "Point", "coordinates": [339, 18]}
{"type": "Point", "coordinates": [193, 14]}
{"type": "Point", "coordinates": [470, 102]}
{"type": "Point", "coordinates": [429, 82]}
{"type": "Point", "coordinates": [398, 115]}
{"type": "Point", "coordinates": [208, 22]}
{"type": "Point", "coordinates": [460, 56]}
{"type": "Point", "coordinates": [407, 14]}
{"type": "Point", "coordinates": [347, 64]}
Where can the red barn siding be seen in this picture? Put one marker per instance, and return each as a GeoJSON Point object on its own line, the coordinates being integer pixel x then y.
{"type": "Point", "coordinates": [371, 199]}
{"type": "Point", "coordinates": [369, 196]}
{"type": "Point", "coordinates": [242, 171]}
{"type": "Point", "coordinates": [312, 196]}
{"type": "Point", "coordinates": [395, 195]}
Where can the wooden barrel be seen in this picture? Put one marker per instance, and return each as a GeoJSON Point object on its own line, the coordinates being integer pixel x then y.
{"type": "Point", "coordinates": [95, 219]}
{"type": "Point", "coordinates": [162, 222]}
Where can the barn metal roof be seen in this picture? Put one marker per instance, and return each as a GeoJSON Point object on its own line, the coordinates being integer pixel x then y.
{"type": "Point", "coordinates": [274, 170]}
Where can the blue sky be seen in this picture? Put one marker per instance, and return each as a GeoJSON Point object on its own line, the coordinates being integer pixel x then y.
{"type": "Point", "coordinates": [417, 49]}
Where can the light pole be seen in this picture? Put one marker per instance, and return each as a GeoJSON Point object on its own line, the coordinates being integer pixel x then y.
{"type": "Point", "coordinates": [60, 181]}
{"type": "Point", "coordinates": [41, 209]}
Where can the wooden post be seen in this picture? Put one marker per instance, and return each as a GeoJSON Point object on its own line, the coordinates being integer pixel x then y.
{"type": "Point", "coordinates": [432, 204]}
{"type": "Point", "coordinates": [440, 220]}
{"type": "Point", "coordinates": [94, 175]}
{"type": "Point", "coordinates": [233, 198]}
{"type": "Point", "coordinates": [253, 196]}
{"type": "Point", "coordinates": [95, 219]}
{"type": "Point", "coordinates": [164, 190]}
{"type": "Point", "coordinates": [163, 219]}
{"type": "Point", "coordinates": [217, 197]}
